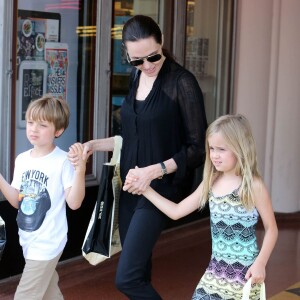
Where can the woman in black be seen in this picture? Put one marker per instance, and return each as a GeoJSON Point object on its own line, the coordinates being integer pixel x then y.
{"type": "Point", "coordinates": [163, 129]}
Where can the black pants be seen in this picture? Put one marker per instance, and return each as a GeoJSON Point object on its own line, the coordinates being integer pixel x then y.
{"type": "Point", "coordinates": [140, 227]}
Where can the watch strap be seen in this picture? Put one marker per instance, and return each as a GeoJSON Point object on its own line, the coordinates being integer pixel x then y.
{"type": "Point", "coordinates": [163, 170]}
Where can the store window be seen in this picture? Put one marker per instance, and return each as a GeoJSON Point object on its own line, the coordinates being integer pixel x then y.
{"type": "Point", "coordinates": [58, 49]}
{"type": "Point", "coordinates": [209, 50]}
{"type": "Point", "coordinates": [199, 33]}
{"type": "Point", "coordinates": [123, 11]}
{"type": "Point", "coordinates": [55, 53]}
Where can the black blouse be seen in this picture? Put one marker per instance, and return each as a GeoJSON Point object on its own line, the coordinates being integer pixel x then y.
{"type": "Point", "coordinates": [170, 124]}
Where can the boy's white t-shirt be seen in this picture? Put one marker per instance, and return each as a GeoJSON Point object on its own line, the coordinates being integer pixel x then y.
{"type": "Point", "coordinates": [41, 216]}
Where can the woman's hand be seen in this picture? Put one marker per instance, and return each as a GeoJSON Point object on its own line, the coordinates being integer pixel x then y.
{"type": "Point", "coordinates": [257, 272]}
{"type": "Point", "coordinates": [77, 157]}
{"type": "Point", "coordinates": [88, 148]}
{"type": "Point", "coordinates": [73, 154]}
{"type": "Point", "coordinates": [137, 180]}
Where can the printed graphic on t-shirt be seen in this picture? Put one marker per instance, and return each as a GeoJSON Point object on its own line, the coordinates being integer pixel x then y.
{"type": "Point", "coordinates": [34, 200]}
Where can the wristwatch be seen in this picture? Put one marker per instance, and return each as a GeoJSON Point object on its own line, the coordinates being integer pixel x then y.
{"type": "Point", "coordinates": [163, 170]}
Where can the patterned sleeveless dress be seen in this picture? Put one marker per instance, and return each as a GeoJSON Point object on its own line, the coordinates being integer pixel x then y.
{"type": "Point", "coordinates": [234, 248]}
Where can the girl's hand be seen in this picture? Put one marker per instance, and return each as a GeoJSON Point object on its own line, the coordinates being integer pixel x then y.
{"type": "Point", "coordinates": [130, 178]}
{"type": "Point", "coordinates": [257, 272]}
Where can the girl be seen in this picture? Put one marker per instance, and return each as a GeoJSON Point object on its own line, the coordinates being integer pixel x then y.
{"type": "Point", "coordinates": [237, 196]}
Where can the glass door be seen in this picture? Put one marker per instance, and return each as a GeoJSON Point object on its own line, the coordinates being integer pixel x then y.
{"type": "Point", "coordinates": [199, 33]}
{"type": "Point", "coordinates": [55, 53]}
{"type": "Point", "coordinates": [124, 10]}
{"type": "Point", "coordinates": [209, 50]}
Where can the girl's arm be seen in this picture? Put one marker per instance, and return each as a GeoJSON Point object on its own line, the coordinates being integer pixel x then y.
{"type": "Point", "coordinates": [75, 194]}
{"type": "Point", "coordinates": [173, 210]}
{"type": "Point", "coordinates": [138, 179]}
{"type": "Point", "coordinates": [264, 207]}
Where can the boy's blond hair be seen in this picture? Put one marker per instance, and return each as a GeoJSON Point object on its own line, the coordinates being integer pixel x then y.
{"type": "Point", "coordinates": [237, 133]}
{"type": "Point", "coordinates": [48, 108]}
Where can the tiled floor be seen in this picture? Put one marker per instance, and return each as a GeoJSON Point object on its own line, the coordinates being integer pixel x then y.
{"type": "Point", "coordinates": [179, 260]}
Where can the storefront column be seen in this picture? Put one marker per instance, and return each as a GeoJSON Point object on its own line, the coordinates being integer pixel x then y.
{"type": "Point", "coordinates": [267, 91]}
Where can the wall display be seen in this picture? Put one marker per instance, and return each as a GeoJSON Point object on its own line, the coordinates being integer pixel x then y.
{"type": "Point", "coordinates": [34, 29]}
{"type": "Point", "coordinates": [56, 56]}
{"type": "Point", "coordinates": [31, 85]}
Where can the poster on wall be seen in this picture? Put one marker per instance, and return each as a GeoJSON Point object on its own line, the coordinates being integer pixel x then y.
{"type": "Point", "coordinates": [197, 56]}
{"type": "Point", "coordinates": [56, 57]}
{"type": "Point", "coordinates": [34, 29]}
{"type": "Point", "coordinates": [31, 85]}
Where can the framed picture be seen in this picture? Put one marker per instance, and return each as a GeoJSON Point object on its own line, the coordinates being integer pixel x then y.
{"type": "Point", "coordinates": [32, 85]}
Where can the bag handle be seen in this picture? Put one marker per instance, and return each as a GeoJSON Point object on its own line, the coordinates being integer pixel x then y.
{"type": "Point", "coordinates": [2, 223]}
{"type": "Point", "coordinates": [117, 150]}
{"type": "Point", "coordinates": [247, 289]}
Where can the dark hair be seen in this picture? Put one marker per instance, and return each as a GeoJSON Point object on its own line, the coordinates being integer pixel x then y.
{"type": "Point", "coordinates": [142, 27]}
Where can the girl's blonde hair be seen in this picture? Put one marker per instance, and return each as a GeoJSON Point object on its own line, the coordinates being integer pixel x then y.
{"type": "Point", "coordinates": [236, 131]}
{"type": "Point", "coordinates": [49, 109]}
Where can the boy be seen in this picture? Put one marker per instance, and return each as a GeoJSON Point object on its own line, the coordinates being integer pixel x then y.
{"type": "Point", "coordinates": [44, 180]}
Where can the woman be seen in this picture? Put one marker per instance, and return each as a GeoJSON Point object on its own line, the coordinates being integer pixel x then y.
{"type": "Point", "coordinates": [163, 130]}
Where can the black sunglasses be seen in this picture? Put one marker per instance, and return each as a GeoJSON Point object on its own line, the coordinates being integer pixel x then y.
{"type": "Point", "coordinates": [137, 62]}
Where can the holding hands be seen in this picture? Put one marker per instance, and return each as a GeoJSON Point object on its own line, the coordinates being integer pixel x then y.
{"type": "Point", "coordinates": [88, 148]}
{"type": "Point", "coordinates": [137, 180]}
{"type": "Point", "coordinates": [78, 155]}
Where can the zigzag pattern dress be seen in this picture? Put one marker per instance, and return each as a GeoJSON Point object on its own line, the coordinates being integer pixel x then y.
{"type": "Point", "coordinates": [234, 248]}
